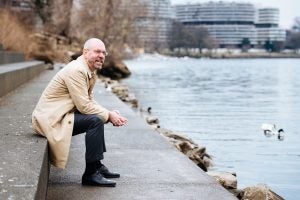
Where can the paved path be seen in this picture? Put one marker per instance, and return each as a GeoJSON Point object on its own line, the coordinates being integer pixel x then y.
{"type": "Point", "coordinates": [150, 167]}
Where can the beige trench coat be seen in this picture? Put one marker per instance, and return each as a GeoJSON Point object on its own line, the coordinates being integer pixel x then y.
{"type": "Point", "coordinates": [53, 117]}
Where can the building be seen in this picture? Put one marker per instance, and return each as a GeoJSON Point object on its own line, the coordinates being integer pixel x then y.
{"type": "Point", "coordinates": [267, 26]}
{"type": "Point", "coordinates": [17, 5]}
{"type": "Point", "coordinates": [153, 22]}
{"type": "Point", "coordinates": [230, 23]}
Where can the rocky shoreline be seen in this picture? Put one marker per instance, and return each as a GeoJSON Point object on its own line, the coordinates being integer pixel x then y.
{"type": "Point", "coordinates": [193, 151]}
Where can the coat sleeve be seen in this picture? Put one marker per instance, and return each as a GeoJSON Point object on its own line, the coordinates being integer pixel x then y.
{"type": "Point", "coordinates": [76, 82]}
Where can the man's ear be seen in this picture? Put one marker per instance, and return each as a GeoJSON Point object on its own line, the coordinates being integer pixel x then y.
{"type": "Point", "coordinates": [84, 51]}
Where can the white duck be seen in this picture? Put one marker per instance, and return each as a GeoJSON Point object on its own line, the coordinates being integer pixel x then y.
{"type": "Point", "coordinates": [270, 129]}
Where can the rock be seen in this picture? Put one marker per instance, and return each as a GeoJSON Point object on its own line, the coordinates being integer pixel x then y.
{"type": "Point", "coordinates": [195, 153]}
{"type": "Point", "coordinates": [47, 58]}
{"type": "Point", "coordinates": [177, 136]}
{"type": "Point", "coordinates": [49, 66]}
{"type": "Point", "coordinates": [132, 100]}
{"type": "Point", "coordinates": [152, 120]}
{"type": "Point", "coordinates": [185, 147]}
{"type": "Point", "coordinates": [226, 179]}
{"type": "Point", "coordinates": [74, 56]}
{"type": "Point", "coordinates": [258, 192]}
{"type": "Point", "coordinates": [115, 69]}
{"type": "Point", "coordinates": [235, 192]}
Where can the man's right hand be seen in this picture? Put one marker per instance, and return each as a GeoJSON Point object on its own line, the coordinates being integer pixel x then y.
{"type": "Point", "coordinates": [116, 119]}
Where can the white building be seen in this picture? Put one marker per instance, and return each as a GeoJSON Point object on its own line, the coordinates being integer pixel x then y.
{"type": "Point", "coordinates": [230, 22]}
{"type": "Point", "coordinates": [154, 22]}
{"type": "Point", "coordinates": [267, 26]}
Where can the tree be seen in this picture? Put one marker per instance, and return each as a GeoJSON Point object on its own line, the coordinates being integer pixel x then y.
{"type": "Point", "coordinates": [278, 46]}
{"type": "Point", "coordinates": [245, 44]}
{"type": "Point", "coordinates": [183, 36]}
{"type": "Point", "coordinates": [293, 40]}
{"type": "Point", "coordinates": [274, 46]}
{"type": "Point", "coordinates": [55, 15]}
{"type": "Point", "coordinates": [293, 36]}
{"type": "Point", "coordinates": [176, 39]}
{"type": "Point", "coordinates": [110, 20]}
{"type": "Point", "coordinates": [296, 26]}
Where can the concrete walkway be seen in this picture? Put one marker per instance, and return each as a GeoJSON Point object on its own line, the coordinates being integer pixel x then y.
{"type": "Point", "coordinates": [150, 167]}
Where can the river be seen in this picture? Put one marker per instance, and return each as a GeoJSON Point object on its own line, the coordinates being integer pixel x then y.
{"type": "Point", "coordinates": [221, 104]}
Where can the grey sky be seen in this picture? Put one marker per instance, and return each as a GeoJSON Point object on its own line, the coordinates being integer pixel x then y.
{"type": "Point", "coordinates": [289, 9]}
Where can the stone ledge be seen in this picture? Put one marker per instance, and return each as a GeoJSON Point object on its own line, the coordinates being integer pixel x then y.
{"type": "Point", "coordinates": [24, 165]}
{"type": "Point", "coordinates": [13, 75]}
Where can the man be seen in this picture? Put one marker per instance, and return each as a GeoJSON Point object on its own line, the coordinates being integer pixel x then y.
{"type": "Point", "coordinates": [67, 108]}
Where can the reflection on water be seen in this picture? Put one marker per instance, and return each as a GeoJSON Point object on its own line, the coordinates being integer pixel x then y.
{"type": "Point", "coordinates": [222, 104]}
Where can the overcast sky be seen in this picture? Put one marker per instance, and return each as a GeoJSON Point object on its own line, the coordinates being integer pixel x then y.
{"type": "Point", "coordinates": [289, 9]}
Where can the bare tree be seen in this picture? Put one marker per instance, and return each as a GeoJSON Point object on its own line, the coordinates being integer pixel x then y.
{"type": "Point", "coordinates": [189, 37]}
{"type": "Point", "coordinates": [110, 20]}
{"type": "Point", "coordinates": [54, 14]}
{"type": "Point", "coordinates": [293, 36]}
{"type": "Point", "coordinates": [296, 26]}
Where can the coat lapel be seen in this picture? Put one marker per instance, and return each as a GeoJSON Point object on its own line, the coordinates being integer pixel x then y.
{"type": "Point", "coordinates": [92, 82]}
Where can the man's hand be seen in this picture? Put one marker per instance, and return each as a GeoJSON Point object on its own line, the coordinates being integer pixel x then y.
{"type": "Point", "coordinates": [116, 119]}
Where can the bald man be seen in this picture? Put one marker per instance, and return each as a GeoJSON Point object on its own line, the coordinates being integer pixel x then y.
{"type": "Point", "coordinates": [67, 108]}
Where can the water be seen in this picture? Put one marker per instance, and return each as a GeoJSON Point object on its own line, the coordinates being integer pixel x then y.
{"type": "Point", "coordinates": [221, 104]}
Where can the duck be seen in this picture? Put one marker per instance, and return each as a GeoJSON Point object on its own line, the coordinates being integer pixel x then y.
{"type": "Point", "coordinates": [270, 129]}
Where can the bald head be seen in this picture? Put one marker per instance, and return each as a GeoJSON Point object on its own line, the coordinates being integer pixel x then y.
{"type": "Point", "coordinates": [92, 42]}
{"type": "Point", "coordinates": [94, 53]}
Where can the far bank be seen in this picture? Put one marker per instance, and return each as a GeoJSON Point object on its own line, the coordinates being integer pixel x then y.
{"type": "Point", "coordinates": [231, 53]}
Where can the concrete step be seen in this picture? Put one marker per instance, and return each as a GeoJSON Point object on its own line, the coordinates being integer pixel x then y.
{"type": "Point", "coordinates": [24, 167]}
{"type": "Point", "coordinates": [150, 167]}
{"type": "Point", "coordinates": [10, 57]}
{"type": "Point", "coordinates": [15, 74]}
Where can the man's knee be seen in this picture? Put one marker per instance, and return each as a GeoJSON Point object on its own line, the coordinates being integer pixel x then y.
{"type": "Point", "coordinates": [95, 120]}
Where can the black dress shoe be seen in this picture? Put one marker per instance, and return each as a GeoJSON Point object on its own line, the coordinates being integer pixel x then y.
{"type": "Point", "coordinates": [97, 179]}
{"type": "Point", "coordinates": [107, 174]}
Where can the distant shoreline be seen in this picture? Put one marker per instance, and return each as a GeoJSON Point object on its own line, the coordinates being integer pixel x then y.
{"type": "Point", "coordinates": [233, 55]}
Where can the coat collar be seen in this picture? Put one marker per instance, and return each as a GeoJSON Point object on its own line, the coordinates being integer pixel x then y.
{"type": "Point", "coordinates": [88, 70]}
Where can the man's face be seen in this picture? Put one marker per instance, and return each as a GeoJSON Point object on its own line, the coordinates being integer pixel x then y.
{"type": "Point", "coordinates": [95, 56]}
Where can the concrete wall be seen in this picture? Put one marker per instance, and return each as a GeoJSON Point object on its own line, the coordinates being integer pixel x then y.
{"type": "Point", "coordinates": [11, 57]}
{"type": "Point", "coordinates": [11, 77]}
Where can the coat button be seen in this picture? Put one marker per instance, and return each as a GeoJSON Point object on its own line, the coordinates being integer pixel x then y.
{"type": "Point", "coordinates": [69, 122]}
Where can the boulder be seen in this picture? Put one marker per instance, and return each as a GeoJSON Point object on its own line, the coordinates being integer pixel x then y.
{"type": "Point", "coordinates": [75, 55]}
{"type": "Point", "coordinates": [258, 192]}
{"type": "Point", "coordinates": [152, 120]}
{"type": "Point", "coordinates": [46, 57]}
{"type": "Point", "coordinates": [132, 100]}
{"type": "Point", "coordinates": [188, 147]}
{"type": "Point", "coordinates": [226, 179]}
{"type": "Point", "coordinates": [115, 69]}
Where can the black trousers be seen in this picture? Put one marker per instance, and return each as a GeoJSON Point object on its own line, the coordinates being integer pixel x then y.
{"type": "Point", "coordinates": [93, 126]}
